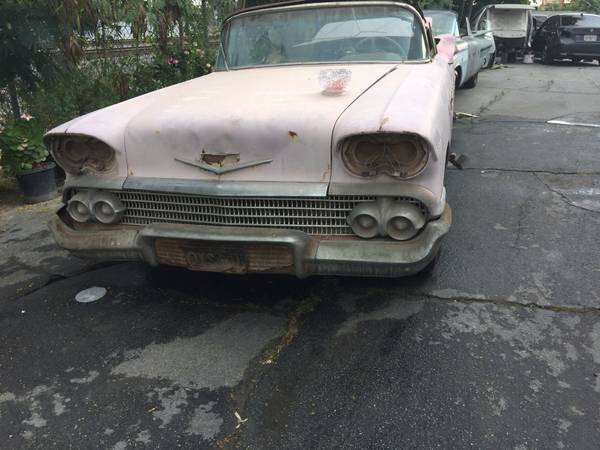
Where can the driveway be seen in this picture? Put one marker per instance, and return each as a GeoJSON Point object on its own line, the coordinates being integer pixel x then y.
{"type": "Point", "coordinates": [499, 348]}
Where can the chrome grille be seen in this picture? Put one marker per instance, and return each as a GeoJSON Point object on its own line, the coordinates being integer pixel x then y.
{"type": "Point", "coordinates": [322, 216]}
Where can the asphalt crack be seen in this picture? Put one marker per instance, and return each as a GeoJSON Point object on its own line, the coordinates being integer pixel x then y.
{"type": "Point", "coordinates": [489, 104]}
{"type": "Point", "coordinates": [519, 226]}
{"type": "Point", "coordinates": [564, 197]}
{"type": "Point", "coordinates": [244, 392]}
{"type": "Point", "coordinates": [533, 171]}
{"type": "Point", "coordinates": [512, 304]}
{"type": "Point", "coordinates": [537, 173]}
{"type": "Point", "coordinates": [55, 277]}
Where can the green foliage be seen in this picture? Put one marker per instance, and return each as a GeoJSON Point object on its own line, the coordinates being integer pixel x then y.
{"type": "Point", "coordinates": [590, 6]}
{"type": "Point", "coordinates": [21, 146]}
{"type": "Point", "coordinates": [27, 34]}
{"type": "Point", "coordinates": [435, 4]}
{"type": "Point", "coordinates": [98, 83]}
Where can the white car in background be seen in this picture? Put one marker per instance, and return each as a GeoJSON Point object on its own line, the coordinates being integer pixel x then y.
{"type": "Point", "coordinates": [473, 51]}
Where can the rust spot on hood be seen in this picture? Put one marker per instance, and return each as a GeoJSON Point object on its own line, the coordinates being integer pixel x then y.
{"type": "Point", "coordinates": [220, 159]}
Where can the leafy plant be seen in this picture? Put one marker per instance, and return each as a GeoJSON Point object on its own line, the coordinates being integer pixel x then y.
{"type": "Point", "coordinates": [27, 36]}
{"type": "Point", "coordinates": [21, 146]}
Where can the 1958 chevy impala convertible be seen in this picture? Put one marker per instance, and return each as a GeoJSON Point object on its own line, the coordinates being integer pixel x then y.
{"type": "Point", "coordinates": [318, 146]}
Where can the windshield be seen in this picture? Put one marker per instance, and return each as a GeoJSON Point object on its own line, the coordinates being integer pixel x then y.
{"type": "Point", "coordinates": [580, 21]}
{"type": "Point", "coordinates": [443, 22]}
{"type": "Point", "coordinates": [322, 35]}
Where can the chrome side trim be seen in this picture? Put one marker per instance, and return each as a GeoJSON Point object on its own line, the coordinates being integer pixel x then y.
{"type": "Point", "coordinates": [228, 188]}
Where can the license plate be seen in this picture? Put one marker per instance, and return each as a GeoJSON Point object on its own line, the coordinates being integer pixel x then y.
{"type": "Point", "coordinates": [210, 257]}
{"type": "Point", "coordinates": [590, 37]}
{"type": "Point", "coordinates": [237, 257]}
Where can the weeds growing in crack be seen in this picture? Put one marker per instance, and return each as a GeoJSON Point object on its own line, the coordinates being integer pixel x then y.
{"type": "Point", "coordinates": [295, 319]}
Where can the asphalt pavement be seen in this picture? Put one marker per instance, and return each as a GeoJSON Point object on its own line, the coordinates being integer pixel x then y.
{"type": "Point", "coordinates": [499, 348]}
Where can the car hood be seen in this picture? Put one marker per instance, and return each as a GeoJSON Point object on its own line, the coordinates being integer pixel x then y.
{"type": "Point", "coordinates": [274, 114]}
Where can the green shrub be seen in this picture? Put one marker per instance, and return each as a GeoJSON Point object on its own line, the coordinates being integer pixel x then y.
{"type": "Point", "coordinates": [98, 83]}
{"type": "Point", "coordinates": [21, 146]}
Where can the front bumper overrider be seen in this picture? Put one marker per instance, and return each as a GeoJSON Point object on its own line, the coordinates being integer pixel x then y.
{"type": "Point", "coordinates": [254, 250]}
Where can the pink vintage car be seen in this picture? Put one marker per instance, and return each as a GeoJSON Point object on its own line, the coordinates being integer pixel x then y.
{"type": "Point", "coordinates": [318, 146]}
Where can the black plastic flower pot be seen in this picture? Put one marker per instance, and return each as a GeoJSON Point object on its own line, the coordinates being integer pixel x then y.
{"type": "Point", "coordinates": [39, 184]}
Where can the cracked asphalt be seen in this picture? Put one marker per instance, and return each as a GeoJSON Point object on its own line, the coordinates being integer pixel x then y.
{"type": "Point", "coordinates": [499, 348]}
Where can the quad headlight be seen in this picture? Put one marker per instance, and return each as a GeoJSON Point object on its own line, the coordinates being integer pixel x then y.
{"type": "Point", "coordinates": [103, 207]}
{"type": "Point", "coordinates": [78, 154]}
{"type": "Point", "coordinates": [387, 217]}
{"type": "Point", "coordinates": [398, 155]}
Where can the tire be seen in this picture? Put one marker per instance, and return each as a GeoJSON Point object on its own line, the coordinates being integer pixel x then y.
{"type": "Point", "coordinates": [504, 57]}
{"type": "Point", "coordinates": [512, 57]}
{"type": "Point", "coordinates": [547, 56]}
{"type": "Point", "coordinates": [490, 63]}
{"type": "Point", "coordinates": [471, 82]}
{"type": "Point", "coordinates": [457, 78]}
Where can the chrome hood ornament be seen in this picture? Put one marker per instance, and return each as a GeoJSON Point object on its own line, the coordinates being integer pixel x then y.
{"type": "Point", "coordinates": [220, 163]}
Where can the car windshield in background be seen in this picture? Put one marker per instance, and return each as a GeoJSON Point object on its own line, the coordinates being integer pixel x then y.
{"type": "Point", "coordinates": [322, 35]}
{"type": "Point", "coordinates": [443, 22]}
{"type": "Point", "coordinates": [580, 21]}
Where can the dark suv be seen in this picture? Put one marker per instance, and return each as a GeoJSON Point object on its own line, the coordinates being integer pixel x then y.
{"type": "Point", "coordinates": [568, 36]}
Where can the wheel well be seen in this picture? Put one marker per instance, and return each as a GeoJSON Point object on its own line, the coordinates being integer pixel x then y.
{"type": "Point", "coordinates": [458, 71]}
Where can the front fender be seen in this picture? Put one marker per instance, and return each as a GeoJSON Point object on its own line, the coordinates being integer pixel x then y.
{"type": "Point", "coordinates": [416, 99]}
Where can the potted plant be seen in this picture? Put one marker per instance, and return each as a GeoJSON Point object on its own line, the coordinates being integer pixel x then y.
{"type": "Point", "coordinates": [23, 155]}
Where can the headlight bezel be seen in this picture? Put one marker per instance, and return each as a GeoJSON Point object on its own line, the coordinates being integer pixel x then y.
{"type": "Point", "coordinates": [83, 206]}
{"type": "Point", "coordinates": [394, 162]}
{"type": "Point", "coordinates": [80, 154]}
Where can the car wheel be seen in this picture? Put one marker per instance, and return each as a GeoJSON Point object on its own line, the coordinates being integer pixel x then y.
{"type": "Point", "coordinates": [490, 63]}
{"type": "Point", "coordinates": [547, 56]}
{"type": "Point", "coordinates": [471, 82]}
{"type": "Point", "coordinates": [512, 57]}
{"type": "Point", "coordinates": [504, 57]}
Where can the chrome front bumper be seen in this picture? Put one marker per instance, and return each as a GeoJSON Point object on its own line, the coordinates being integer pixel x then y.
{"type": "Point", "coordinates": [255, 250]}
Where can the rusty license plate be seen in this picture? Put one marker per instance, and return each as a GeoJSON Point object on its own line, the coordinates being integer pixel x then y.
{"type": "Point", "coordinates": [224, 257]}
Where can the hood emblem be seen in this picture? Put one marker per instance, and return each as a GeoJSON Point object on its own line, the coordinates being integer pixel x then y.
{"type": "Point", "coordinates": [220, 163]}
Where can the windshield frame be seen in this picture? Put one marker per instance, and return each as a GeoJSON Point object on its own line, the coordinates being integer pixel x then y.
{"type": "Point", "coordinates": [443, 12]}
{"type": "Point", "coordinates": [259, 10]}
